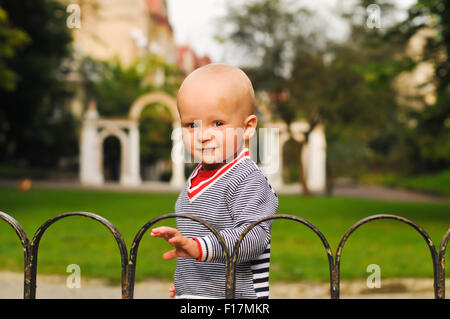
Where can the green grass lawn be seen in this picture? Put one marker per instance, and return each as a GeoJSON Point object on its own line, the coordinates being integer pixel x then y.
{"type": "Point", "coordinates": [438, 183]}
{"type": "Point", "coordinates": [297, 253]}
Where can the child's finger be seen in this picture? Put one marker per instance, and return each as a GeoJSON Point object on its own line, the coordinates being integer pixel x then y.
{"type": "Point", "coordinates": [178, 241]}
{"type": "Point", "coordinates": [170, 254]}
{"type": "Point", "coordinates": [163, 231]}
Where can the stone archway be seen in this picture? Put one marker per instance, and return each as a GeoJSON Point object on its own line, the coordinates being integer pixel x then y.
{"type": "Point", "coordinates": [178, 179]}
{"type": "Point", "coordinates": [95, 130]}
{"type": "Point", "coordinates": [141, 102]}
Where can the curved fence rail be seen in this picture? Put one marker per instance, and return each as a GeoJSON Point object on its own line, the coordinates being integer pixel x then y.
{"type": "Point", "coordinates": [427, 238]}
{"type": "Point", "coordinates": [128, 263]}
{"type": "Point", "coordinates": [26, 252]}
{"type": "Point", "coordinates": [140, 234]}
{"type": "Point", "coordinates": [288, 217]}
{"type": "Point", "coordinates": [34, 246]}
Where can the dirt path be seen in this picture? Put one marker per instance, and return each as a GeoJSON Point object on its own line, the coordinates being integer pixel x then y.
{"type": "Point", "coordinates": [387, 193]}
{"type": "Point", "coordinates": [342, 190]}
{"type": "Point", "coordinates": [52, 286]}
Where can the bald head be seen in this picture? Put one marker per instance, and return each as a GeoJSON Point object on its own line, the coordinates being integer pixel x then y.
{"type": "Point", "coordinates": [216, 106]}
{"type": "Point", "coordinates": [229, 85]}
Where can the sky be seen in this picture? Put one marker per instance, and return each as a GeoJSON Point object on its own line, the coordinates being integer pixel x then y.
{"type": "Point", "coordinates": [195, 21]}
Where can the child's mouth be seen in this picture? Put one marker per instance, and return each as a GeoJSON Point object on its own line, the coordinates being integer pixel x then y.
{"type": "Point", "coordinates": [206, 149]}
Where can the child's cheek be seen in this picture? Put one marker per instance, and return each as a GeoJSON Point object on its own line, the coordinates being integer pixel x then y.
{"type": "Point", "coordinates": [188, 140]}
{"type": "Point", "coordinates": [230, 142]}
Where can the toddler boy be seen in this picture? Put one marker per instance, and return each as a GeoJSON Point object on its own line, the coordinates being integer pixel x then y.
{"type": "Point", "coordinates": [226, 189]}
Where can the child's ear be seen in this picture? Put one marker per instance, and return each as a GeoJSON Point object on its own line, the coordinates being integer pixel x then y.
{"type": "Point", "coordinates": [250, 126]}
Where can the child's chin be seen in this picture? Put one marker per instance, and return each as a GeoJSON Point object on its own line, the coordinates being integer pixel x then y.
{"type": "Point", "coordinates": [210, 159]}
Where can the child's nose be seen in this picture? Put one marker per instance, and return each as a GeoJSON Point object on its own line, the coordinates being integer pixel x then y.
{"type": "Point", "coordinates": [206, 134]}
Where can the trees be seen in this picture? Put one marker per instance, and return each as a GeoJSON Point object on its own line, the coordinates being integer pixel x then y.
{"type": "Point", "coordinates": [349, 86]}
{"type": "Point", "coordinates": [322, 81]}
{"type": "Point", "coordinates": [372, 56]}
{"type": "Point", "coordinates": [12, 39]}
{"type": "Point", "coordinates": [420, 143]}
{"type": "Point", "coordinates": [271, 33]}
{"type": "Point", "coordinates": [431, 136]}
{"type": "Point", "coordinates": [36, 127]}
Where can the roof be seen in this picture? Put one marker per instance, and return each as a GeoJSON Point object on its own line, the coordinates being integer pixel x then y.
{"type": "Point", "coordinates": [183, 50]}
{"type": "Point", "coordinates": [154, 6]}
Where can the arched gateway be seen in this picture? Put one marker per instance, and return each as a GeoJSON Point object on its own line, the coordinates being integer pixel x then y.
{"type": "Point", "coordinates": [95, 130]}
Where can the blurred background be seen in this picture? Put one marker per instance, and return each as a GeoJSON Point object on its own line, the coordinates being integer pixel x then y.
{"type": "Point", "coordinates": [360, 91]}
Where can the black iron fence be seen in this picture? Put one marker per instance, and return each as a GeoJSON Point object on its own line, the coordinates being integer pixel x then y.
{"type": "Point", "coordinates": [128, 263]}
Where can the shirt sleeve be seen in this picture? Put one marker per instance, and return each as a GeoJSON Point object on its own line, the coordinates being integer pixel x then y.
{"type": "Point", "coordinates": [252, 200]}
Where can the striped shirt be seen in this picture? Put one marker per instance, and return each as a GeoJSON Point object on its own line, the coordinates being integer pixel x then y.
{"type": "Point", "coordinates": [230, 200]}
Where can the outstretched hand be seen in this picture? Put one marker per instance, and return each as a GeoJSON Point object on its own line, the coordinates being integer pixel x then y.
{"type": "Point", "coordinates": [184, 246]}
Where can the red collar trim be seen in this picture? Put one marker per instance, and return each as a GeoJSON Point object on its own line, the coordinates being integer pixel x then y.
{"type": "Point", "coordinates": [195, 191]}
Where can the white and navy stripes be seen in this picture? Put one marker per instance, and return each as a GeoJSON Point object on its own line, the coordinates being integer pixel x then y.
{"type": "Point", "coordinates": [260, 270]}
{"type": "Point", "coordinates": [230, 202]}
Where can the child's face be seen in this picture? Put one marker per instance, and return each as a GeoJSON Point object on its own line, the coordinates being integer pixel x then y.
{"type": "Point", "coordinates": [214, 120]}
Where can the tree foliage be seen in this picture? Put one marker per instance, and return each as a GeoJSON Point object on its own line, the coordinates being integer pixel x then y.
{"type": "Point", "coordinates": [12, 39]}
{"type": "Point", "coordinates": [348, 86]}
{"type": "Point", "coordinates": [326, 82]}
{"type": "Point", "coordinates": [427, 141]}
{"type": "Point", "coordinates": [36, 127]}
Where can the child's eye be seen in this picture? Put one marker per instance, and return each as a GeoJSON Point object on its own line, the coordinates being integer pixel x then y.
{"type": "Point", "coordinates": [218, 123]}
{"type": "Point", "coordinates": [192, 125]}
